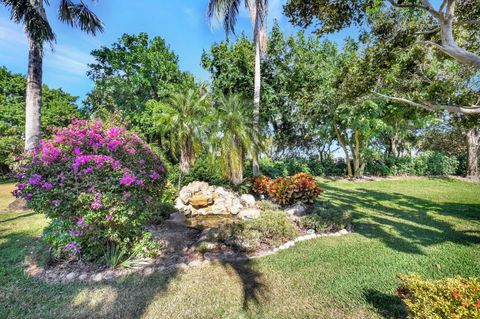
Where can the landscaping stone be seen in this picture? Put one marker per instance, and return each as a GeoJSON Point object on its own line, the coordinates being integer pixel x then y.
{"type": "Point", "coordinates": [148, 271]}
{"type": "Point", "coordinates": [247, 200]}
{"type": "Point", "coordinates": [299, 209]}
{"type": "Point", "coordinates": [204, 205]}
{"type": "Point", "coordinates": [71, 276]}
{"type": "Point", "coordinates": [249, 213]}
{"type": "Point", "coordinates": [83, 277]}
{"type": "Point", "coordinates": [18, 205]}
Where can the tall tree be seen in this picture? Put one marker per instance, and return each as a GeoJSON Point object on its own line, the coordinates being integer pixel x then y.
{"type": "Point", "coordinates": [132, 71]}
{"type": "Point", "coordinates": [227, 10]}
{"type": "Point", "coordinates": [461, 16]}
{"type": "Point", "coordinates": [31, 13]}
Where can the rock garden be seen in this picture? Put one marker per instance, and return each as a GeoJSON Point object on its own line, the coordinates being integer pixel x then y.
{"type": "Point", "coordinates": [109, 216]}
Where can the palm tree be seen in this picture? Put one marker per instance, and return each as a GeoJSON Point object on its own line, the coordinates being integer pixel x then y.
{"type": "Point", "coordinates": [227, 10]}
{"type": "Point", "coordinates": [181, 121]}
{"type": "Point", "coordinates": [31, 13]}
{"type": "Point", "coordinates": [233, 137]}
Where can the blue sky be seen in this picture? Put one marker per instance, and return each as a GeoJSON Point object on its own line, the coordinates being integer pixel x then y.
{"type": "Point", "coordinates": [182, 23]}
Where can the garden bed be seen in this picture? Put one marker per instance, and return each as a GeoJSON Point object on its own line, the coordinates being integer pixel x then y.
{"type": "Point", "coordinates": [182, 247]}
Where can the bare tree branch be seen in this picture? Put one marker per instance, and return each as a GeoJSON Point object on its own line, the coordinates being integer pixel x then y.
{"type": "Point", "coordinates": [474, 109]}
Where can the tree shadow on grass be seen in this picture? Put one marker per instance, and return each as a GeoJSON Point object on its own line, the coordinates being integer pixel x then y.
{"type": "Point", "coordinates": [405, 223]}
{"type": "Point", "coordinates": [254, 289]}
{"type": "Point", "coordinates": [129, 297]}
{"type": "Point", "coordinates": [386, 305]}
{"type": "Point", "coordinates": [27, 214]}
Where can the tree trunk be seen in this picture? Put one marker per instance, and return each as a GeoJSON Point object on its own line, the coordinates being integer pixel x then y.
{"type": "Point", "coordinates": [186, 154]}
{"type": "Point", "coordinates": [256, 99]}
{"type": "Point", "coordinates": [33, 101]}
{"type": "Point", "coordinates": [472, 139]}
{"type": "Point", "coordinates": [347, 156]}
{"type": "Point", "coordinates": [358, 170]}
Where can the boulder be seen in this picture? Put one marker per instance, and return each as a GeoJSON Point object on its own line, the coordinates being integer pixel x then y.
{"type": "Point", "coordinates": [247, 200]}
{"type": "Point", "coordinates": [203, 201]}
{"type": "Point", "coordinates": [18, 205]}
{"type": "Point", "coordinates": [199, 201]}
{"type": "Point", "coordinates": [297, 210]}
{"type": "Point", "coordinates": [250, 213]}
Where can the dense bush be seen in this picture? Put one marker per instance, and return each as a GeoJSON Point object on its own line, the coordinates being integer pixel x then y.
{"type": "Point", "coordinates": [97, 183]}
{"type": "Point", "coordinates": [271, 228]}
{"type": "Point", "coordinates": [292, 166]}
{"type": "Point", "coordinates": [453, 298]}
{"type": "Point", "coordinates": [325, 217]}
{"type": "Point", "coordinates": [425, 164]}
{"type": "Point", "coordinates": [300, 187]}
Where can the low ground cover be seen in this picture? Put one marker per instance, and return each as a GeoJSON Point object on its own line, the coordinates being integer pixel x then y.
{"type": "Point", "coordinates": [428, 226]}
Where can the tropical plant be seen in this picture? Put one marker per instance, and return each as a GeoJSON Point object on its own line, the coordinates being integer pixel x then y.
{"type": "Point", "coordinates": [233, 137]}
{"type": "Point", "coordinates": [31, 13]}
{"type": "Point", "coordinates": [181, 122]}
{"type": "Point", "coordinates": [227, 10]}
{"type": "Point", "coordinates": [98, 183]}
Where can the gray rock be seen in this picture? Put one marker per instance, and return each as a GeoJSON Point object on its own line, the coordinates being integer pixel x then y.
{"type": "Point", "coordinates": [249, 213]}
{"type": "Point", "coordinates": [83, 276]}
{"type": "Point", "coordinates": [97, 277]}
{"type": "Point", "coordinates": [343, 232]}
{"type": "Point", "coordinates": [310, 231]}
{"type": "Point", "coordinates": [297, 210]}
{"type": "Point", "coordinates": [247, 200]}
{"type": "Point", "coordinates": [71, 276]}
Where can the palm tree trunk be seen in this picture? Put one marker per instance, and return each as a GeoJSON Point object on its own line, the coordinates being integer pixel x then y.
{"type": "Point", "coordinates": [186, 153]}
{"type": "Point", "coordinates": [472, 139]}
{"type": "Point", "coordinates": [256, 98]}
{"type": "Point", "coordinates": [33, 101]}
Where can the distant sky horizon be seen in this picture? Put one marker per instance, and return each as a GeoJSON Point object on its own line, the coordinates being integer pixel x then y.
{"type": "Point", "coordinates": [183, 24]}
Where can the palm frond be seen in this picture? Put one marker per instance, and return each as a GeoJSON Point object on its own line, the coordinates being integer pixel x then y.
{"type": "Point", "coordinates": [79, 15]}
{"type": "Point", "coordinates": [31, 14]}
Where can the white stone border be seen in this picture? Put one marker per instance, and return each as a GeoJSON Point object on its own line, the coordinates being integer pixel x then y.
{"type": "Point", "coordinates": [33, 270]}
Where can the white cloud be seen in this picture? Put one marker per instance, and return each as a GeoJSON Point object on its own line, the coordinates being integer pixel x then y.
{"type": "Point", "coordinates": [62, 58]}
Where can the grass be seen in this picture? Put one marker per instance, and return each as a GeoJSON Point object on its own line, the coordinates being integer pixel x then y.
{"type": "Point", "coordinates": [429, 226]}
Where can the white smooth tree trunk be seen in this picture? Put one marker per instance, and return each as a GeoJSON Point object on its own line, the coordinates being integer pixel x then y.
{"type": "Point", "coordinates": [472, 139]}
{"type": "Point", "coordinates": [33, 101]}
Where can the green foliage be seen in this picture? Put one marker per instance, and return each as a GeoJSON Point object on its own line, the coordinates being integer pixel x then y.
{"type": "Point", "coordinates": [113, 255]}
{"type": "Point", "coordinates": [294, 165]}
{"type": "Point", "coordinates": [233, 137]}
{"type": "Point", "coordinates": [424, 164]}
{"type": "Point", "coordinates": [271, 228]}
{"type": "Point", "coordinates": [453, 298]}
{"type": "Point", "coordinates": [325, 218]}
{"type": "Point", "coordinates": [57, 107]}
{"type": "Point", "coordinates": [132, 71]}
{"type": "Point", "coordinates": [181, 122]}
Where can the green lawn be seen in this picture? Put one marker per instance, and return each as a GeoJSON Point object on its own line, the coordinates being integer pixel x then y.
{"type": "Point", "coordinates": [429, 226]}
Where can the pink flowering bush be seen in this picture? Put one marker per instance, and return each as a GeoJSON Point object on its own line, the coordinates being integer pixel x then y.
{"type": "Point", "coordinates": [97, 183]}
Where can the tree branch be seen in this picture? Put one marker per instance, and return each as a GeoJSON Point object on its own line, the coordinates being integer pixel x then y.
{"type": "Point", "coordinates": [474, 109]}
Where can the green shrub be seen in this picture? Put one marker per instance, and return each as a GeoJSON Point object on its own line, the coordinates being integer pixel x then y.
{"type": "Point", "coordinates": [452, 298]}
{"type": "Point", "coordinates": [325, 218]}
{"type": "Point", "coordinates": [161, 212]}
{"type": "Point", "coordinates": [271, 228]}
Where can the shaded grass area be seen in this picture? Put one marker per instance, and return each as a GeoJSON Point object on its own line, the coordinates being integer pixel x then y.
{"type": "Point", "coordinates": [428, 226]}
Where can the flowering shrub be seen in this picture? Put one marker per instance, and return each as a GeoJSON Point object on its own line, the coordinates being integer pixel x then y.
{"type": "Point", "coordinates": [261, 185]}
{"type": "Point", "coordinates": [448, 298]}
{"type": "Point", "coordinates": [300, 187]}
{"type": "Point", "coordinates": [97, 183]}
